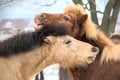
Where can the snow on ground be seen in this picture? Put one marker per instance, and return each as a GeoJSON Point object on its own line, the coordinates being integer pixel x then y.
{"type": "Point", "coordinates": [51, 72]}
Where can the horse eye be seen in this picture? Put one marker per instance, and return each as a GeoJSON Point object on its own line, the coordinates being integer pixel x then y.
{"type": "Point", "coordinates": [42, 15]}
{"type": "Point", "coordinates": [66, 18]}
{"type": "Point", "coordinates": [67, 41]}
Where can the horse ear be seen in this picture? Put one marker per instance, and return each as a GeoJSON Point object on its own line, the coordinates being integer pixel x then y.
{"type": "Point", "coordinates": [50, 39]}
{"type": "Point", "coordinates": [82, 18]}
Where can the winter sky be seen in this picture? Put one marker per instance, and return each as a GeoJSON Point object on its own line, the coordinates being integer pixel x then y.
{"type": "Point", "coordinates": [29, 8]}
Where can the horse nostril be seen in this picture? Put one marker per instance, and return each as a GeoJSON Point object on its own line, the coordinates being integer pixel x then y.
{"type": "Point", "coordinates": [95, 49]}
{"type": "Point", "coordinates": [42, 16]}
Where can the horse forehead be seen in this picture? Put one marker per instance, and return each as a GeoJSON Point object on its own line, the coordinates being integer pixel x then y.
{"type": "Point", "coordinates": [62, 38]}
{"type": "Point", "coordinates": [59, 15]}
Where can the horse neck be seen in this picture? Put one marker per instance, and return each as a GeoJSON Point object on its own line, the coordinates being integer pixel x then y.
{"type": "Point", "coordinates": [30, 63]}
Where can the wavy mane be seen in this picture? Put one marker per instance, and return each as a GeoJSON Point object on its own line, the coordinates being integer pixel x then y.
{"type": "Point", "coordinates": [28, 41]}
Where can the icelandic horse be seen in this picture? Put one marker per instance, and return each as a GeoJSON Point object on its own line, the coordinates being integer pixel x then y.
{"type": "Point", "coordinates": [24, 55]}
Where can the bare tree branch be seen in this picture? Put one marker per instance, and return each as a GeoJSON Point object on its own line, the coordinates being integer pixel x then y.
{"type": "Point", "coordinates": [78, 2]}
{"type": "Point", "coordinates": [86, 6]}
{"type": "Point", "coordinates": [46, 4]}
{"type": "Point", "coordinates": [3, 2]}
{"type": "Point", "coordinates": [7, 3]}
{"type": "Point", "coordinates": [93, 12]}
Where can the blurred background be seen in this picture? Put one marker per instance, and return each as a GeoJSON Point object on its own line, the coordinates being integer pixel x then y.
{"type": "Point", "coordinates": [17, 16]}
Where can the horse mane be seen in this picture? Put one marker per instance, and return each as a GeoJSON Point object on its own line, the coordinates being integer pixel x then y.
{"type": "Point", "coordinates": [27, 41]}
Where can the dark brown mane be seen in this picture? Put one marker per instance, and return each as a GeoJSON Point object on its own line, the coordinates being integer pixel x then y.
{"type": "Point", "coordinates": [28, 41]}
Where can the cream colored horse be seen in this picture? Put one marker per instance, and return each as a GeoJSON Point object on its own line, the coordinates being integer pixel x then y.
{"type": "Point", "coordinates": [23, 56]}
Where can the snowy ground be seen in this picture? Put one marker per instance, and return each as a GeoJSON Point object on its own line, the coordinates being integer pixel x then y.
{"type": "Point", "coordinates": [51, 72]}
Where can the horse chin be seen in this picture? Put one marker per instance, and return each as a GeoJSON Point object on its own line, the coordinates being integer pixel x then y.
{"type": "Point", "coordinates": [38, 27]}
{"type": "Point", "coordinates": [84, 66]}
{"type": "Point", "coordinates": [90, 59]}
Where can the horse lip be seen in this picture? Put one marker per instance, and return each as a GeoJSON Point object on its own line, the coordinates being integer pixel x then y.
{"type": "Point", "coordinates": [37, 21]}
{"type": "Point", "coordinates": [92, 58]}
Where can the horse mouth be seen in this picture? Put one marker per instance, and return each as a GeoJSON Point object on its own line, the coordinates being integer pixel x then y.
{"type": "Point", "coordinates": [90, 59]}
{"type": "Point", "coordinates": [38, 22]}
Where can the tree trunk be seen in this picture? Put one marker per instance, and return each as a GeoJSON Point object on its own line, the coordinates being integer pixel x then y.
{"type": "Point", "coordinates": [106, 16]}
{"type": "Point", "coordinates": [93, 12]}
{"type": "Point", "coordinates": [113, 20]}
